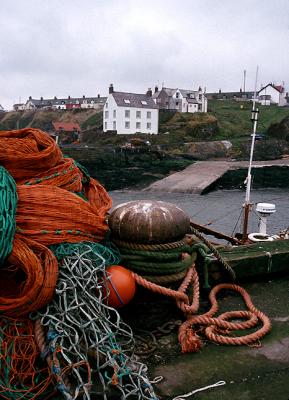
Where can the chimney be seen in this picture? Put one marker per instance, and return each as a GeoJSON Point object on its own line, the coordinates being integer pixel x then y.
{"type": "Point", "coordinates": [30, 97]}
{"type": "Point", "coordinates": [240, 90]}
{"type": "Point", "coordinates": [83, 96]}
{"type": "Point", "coordinates": [55, 98]}
{"type": "Point", "coordinates": [149, 93]}
{"type": "Point", "coordinates": [110, 89]}
{"type": "Point", "coordinates": [156, 89]}
{"type": "Point", "coordinates": [69, 97]}
{"type": "Point", "coordinates": [98, 96]}
{"type": "Point", "coordinates": [220, 91]}
{"type": "Point", "coordinates": [200, 89]}
{"type": "Point", "coordinates": [41, 98]}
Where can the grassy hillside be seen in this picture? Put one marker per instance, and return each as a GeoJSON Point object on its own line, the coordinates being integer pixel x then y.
{"type": "Point", "coordinates": [225, 120]}
{"type": "Point", "coordinates": [234, 118]}
{"type": "Point", "coordinates": [42, 119]}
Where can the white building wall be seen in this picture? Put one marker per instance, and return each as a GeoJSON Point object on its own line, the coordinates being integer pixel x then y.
{"type": "Point", "coordinates": [120, 118]}
{"type": "Point", "coordinates": [276, 96]}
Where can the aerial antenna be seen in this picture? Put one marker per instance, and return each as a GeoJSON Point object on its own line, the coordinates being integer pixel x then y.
{"type": "Point", "coordinates": [247, 204]}
{"type": "Point", "coordinates": [244, 85]}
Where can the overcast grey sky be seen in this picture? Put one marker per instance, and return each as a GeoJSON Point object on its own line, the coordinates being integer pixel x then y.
{"type": "Point", "coordinates": [72, 47]}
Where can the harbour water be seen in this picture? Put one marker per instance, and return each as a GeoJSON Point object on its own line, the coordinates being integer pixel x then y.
{"type": "Point", "coordinates": [221, 209]}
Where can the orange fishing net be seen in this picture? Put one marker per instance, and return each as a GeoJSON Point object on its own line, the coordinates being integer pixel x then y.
{"type": "Point", "coordinates": [48, 212]}
{"type": "Point", "coordinates": [65, 175]}
{"type": "Point", "coordinates": [22, 373]}
{"type": "Point", "coordinates": [28, 278]}
{"type": "Point", "coordinates": [52, 215]}
{"type": "Point", "coordinates": [27, 152]}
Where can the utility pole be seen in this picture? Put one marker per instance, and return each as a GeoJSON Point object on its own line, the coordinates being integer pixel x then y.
{"type": "Point", "coordinates": [244, 86]}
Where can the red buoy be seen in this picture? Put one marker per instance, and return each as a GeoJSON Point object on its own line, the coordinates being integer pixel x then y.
{"type": "Point", "coordinates": [121, 285]}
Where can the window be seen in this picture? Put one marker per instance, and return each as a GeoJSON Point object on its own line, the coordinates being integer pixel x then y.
{"type": "Point", "coordinates": [127, 113]}
{"type": "Point", "coordinates": [106, 105]}
{"type": "Point", "coordinates": [105, 125]}
{"type": "Point", "coordinates": [114, 113]}
{"type": "Point", "coordinates": [149, 114]}
{"type": "Point", "coordinates": [106, 115]}
{"type": "Point", "coordinates": [137, 125]}
{"type": "Point", "coordinates": [114, 125]}
{"type": "Point", "coordinates": [127, 125]}
{"type": "Point", "coordinates": [177, 103]}
{"type": "Point", "coordinates": [177, 95]}
{"type": "Point", "coordinates": [200, 97]}
{"type": "Point", "coordinates": [144, 103]}
{"type": "Point", "coordinates": [138, 114]}
{"type": "Point", "coordinates": [149, 125]}
{"type": "Point", "coordinates": [126, 101]}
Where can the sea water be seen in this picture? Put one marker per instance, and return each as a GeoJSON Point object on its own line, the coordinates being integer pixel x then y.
{"type": "Point", "coordinates": [220, 210]}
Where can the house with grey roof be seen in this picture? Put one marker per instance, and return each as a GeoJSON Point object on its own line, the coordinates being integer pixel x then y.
{"type": "Point", "coordinates": [181, 100]}
{"type": "Point", "coordinates": [129, 113]}
{"type": "Point", "coordinates": [68, 103]}
{"type": "Point", "coordinates": [237, 96]}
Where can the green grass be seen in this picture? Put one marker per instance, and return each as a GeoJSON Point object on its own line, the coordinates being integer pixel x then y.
{"type": "Point", "coordinates": [95, 121]}
{"type": "Point", "coordinates": [234, 118]}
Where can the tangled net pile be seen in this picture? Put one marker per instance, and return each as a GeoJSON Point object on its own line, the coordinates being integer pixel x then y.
{"type": "Point", "coordinates": [76, 346]}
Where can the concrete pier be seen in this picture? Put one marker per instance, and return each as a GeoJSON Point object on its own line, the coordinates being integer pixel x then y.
{"type": "Point", "coordinates": [200, 175]}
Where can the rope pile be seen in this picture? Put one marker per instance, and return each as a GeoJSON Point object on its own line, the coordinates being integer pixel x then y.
{"type": "Point", "coordinates": [162, 263]}
{"type": "Point", "coordinates": [217, 329]}
{"type": "Point", "coordinates": [49, 200]}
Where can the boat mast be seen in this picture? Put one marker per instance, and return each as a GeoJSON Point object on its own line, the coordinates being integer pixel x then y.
{"type": "Point", "coordinates": [247, 204]}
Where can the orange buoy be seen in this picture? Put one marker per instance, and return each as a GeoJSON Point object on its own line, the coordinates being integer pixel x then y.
{"type": "Point", "coordinates": [121, 286]}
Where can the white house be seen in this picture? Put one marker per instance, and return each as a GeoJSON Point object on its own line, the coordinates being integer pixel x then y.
{"type": "Point", "coordinates": [272, 94]}
{"type": "Point", "coordinates": [181, 100]}
{"type": "Point", "coordinates": [68, 103]}
{"type": "Point", "coordinates": [129, 113]}
{"type": "Point", "coordinates": [19, 107]}
{"type": "Point", "coordinates": [93, 102]}
{"type": "Point", "coordinates": [1, 108]}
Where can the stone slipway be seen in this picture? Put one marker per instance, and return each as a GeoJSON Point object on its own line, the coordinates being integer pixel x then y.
{"type": "Point", "coordinates": [198, 176]}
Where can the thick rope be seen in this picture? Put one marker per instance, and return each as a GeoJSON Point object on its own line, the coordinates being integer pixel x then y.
{"type": "Point", "coordinates": [150, 247]}
{"type": "Point", "coordinates": [216, 253]}
{"type": "Point", "coordinates": [218, 328]}
{"type": "Point", "coordinates": [165, 279]}
{"type": "Point", "coordinates": [180, 295]}
{"type": "Point", "coordinates": [215, 329]}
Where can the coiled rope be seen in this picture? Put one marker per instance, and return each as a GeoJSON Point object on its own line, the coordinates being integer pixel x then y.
{"type": "Point", "coordinates": [161, 263]}
{"type": "Point", "coordinates": [217, 329]}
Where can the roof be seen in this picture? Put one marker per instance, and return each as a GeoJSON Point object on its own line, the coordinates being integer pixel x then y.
{"type": "Point", "coordinates": [279, 88]}
{"type": "Point", "coordinates": [123, 99]}
{"type": "Point", "coordinates": [72, 100]}
{"type": "Point", "coordinates": [237, 94]}
{"type": "Point", "coordinates": [170, 92]}
{"type": "Point", "coordinates": [193, 101]}
{"type": "Point", "coordinates": [66, 126]}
